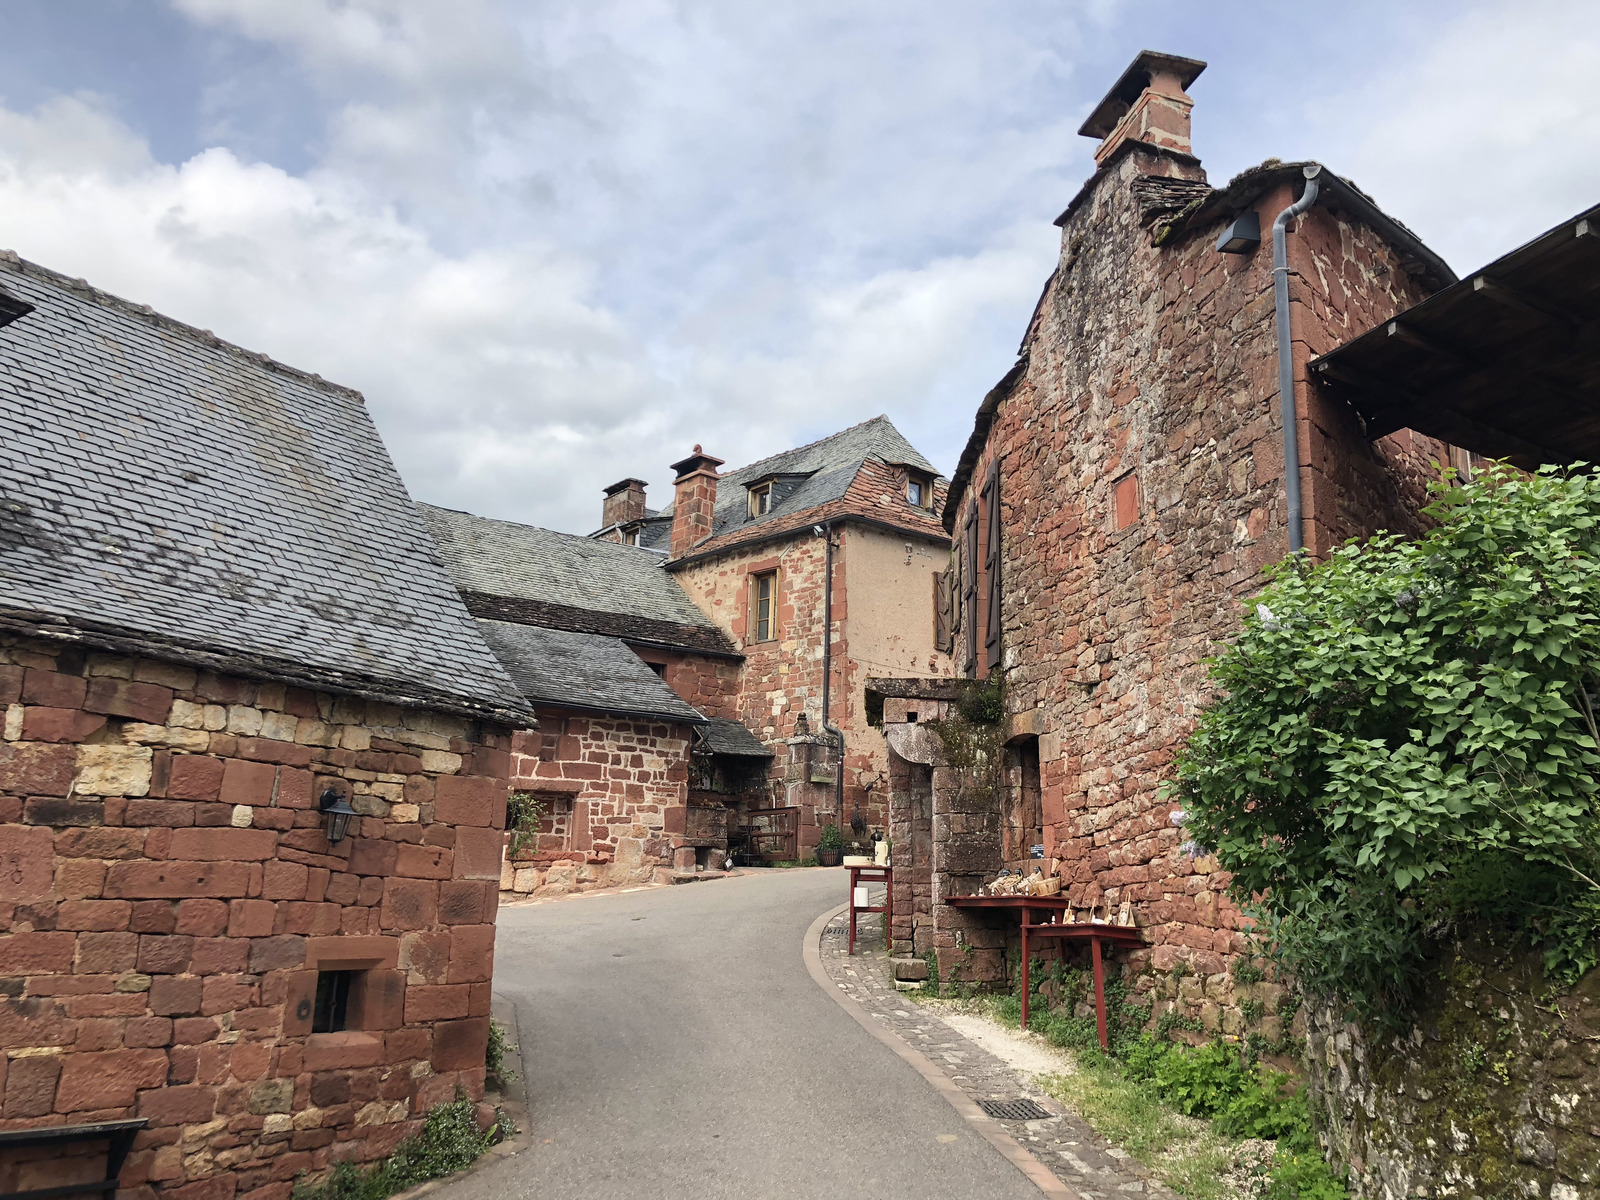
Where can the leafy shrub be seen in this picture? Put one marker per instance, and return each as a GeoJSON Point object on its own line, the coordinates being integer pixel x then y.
{"type": "Point", "coordinates": [524, 810]}
{"type": "Point", "coordinates": [494, 1053]}
{"type": "Point", "coordinates": [983, 702]}
{"type": "Point", "coordinates": [1265, 1108]}
{"type": "Point", "coordinates": [1406, 743]}
{"type": "Point", "coordinates": [831, 838]}
{"type": "Point", "coordinates": [449, 1141]}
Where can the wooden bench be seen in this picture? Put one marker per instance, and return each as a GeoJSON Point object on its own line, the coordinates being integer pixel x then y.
{"type": "Point", "coordinates": [118, 1135]}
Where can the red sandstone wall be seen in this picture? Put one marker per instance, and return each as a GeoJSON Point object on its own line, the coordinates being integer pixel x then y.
{"type": "Point", "coordinates": [1161, 361]}
{"type": "Point", "coordinates": [626, 781]}
{"type": "Point", "coordinates": [167, 894]}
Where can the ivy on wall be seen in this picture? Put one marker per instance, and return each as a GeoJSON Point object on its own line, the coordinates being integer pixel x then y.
{"type": "Point", "coordinates": [1406, 742]}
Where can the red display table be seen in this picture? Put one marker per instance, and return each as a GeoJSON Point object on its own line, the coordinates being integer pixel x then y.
{"type": "Point", "coordinates": [883, 875]}
{"type": "Point", "coordinates": [1052, 908]}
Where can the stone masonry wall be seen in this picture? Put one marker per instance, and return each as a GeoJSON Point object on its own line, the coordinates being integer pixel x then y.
{"type": "Point", "coordinates": [1158, 364]}
{"type": "Point", "coordinates": [624, 785]}
{"type": "Point", "coordinates": [1493, 1091]}
{"type": "Point", "coordinates": [782, 678]}
{"type": "Point", "coordinates": [168, 896]}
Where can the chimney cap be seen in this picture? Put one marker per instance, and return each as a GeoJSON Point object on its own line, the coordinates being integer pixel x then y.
{"type": "Point", "coordinates": [623, 485]}
{"type": "Point", "coordinates": [695, 462]}
{"type": "Point", "coordinates": [1134, 80]}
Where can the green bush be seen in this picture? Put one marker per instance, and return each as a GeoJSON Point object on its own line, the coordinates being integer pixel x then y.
{"type": "Point", "coordinates": [831, 838]}
{"type": "Point", "coordinates": [494, 1054]}
{"type": "Point", "coordinates": [524, 811]}
{"type": "Point", "coordinates": [449, 1141]}
{"type": "Point", "coordinates": [1406, 743]}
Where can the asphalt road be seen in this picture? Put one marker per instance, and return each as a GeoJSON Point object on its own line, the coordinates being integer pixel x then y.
{"type": "Point", "coordinates": [675, 1046]}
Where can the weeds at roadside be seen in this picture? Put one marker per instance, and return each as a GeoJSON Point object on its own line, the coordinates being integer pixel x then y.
{"type": "Point", "coordinates": [1202, 1120]}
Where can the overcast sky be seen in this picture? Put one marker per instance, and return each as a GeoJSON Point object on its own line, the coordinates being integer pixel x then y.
{"type": "Point", "coordinates": [558, 242]}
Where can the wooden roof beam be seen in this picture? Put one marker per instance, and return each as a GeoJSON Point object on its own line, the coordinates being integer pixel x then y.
{"type": "Point", "coordinates": [1533, 306]}
{"type": "Point", "coordinates": [1406, 410]}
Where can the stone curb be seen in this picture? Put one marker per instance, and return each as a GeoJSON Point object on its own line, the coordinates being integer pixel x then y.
{"type": "Point", "coordinates": [985, 1126]}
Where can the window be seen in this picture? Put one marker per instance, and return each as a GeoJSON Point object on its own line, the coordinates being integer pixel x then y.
{"type": "Point", "coordinates": [659, 668]}
{"type": "Point", "coordinates": [919, 491]}
{"type": "Point", "coordinates": [630, 538]}
{"type": "Point", "coordinates": [764, 606]}
{"type": "Point", "coordinates": [761, 499]}
{"type": "Point", "coordinates": [333, 1001]}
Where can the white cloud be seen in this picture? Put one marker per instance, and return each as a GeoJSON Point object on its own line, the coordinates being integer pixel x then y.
{"type": "Point", "coordinates": [1482, 134]}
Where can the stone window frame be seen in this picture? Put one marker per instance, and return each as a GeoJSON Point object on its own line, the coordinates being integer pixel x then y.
{"type": "Point", "coordinates": [756, 578]}
{"type": "Point", "coordinates": [377, 993]}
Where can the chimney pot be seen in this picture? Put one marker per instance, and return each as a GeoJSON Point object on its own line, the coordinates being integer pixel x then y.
{"type": "Point", "coordinates": [1148, 104]}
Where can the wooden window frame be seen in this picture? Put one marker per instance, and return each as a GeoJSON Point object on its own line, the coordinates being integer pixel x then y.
{"type": "Point", "coordinates": [760, 499]}
{"type": "Point", "coordinates": [756, 580]}
{"type": "Point", "coordinates": [924, 484]}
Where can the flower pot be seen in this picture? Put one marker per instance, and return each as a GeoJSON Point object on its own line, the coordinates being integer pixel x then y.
{"type": "Point", "coordinates": [828, 858]}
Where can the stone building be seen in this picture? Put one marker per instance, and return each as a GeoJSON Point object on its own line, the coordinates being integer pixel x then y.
{"type": "Point", "coordinates": [841, 535]}
{"type": "Point", "coordinates": [1121, 492]}
{"type": "Point", "coordinates": [637, 770]}
{"type": "Point", "coordinates": [220, 615]}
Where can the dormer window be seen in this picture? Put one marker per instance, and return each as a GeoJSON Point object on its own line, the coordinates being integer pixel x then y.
{"type": "Point", "coordinates": [761, 499]}
{"type": "Point", "coordinates": [919, 490]}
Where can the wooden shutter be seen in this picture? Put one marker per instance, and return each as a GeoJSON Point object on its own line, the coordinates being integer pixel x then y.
{"type": "Point", "coordinates": [991, 568]}
{"type": "Point", "coordinates": [943, 629]}
{"type": "Point", "coordinates": [969, 593]}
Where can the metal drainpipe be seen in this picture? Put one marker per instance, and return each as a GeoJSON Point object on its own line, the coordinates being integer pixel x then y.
{"type": "Point", "coordinates": [1291, 415]}
{"type": "Point", "coordinates": [827, 668]}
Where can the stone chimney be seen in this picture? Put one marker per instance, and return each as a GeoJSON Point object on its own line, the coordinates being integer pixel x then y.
{"type": "Point", "coordinates": [624, 503]}
{"type": "Point", "coordinates": [694, 498]}
{"type": "Point", "coordinates": [1148, 104]}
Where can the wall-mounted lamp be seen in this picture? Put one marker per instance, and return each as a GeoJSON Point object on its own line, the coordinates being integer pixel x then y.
{"type": "Point", "coordinates": [1243, 236]}
{"type": "Point", "coordinates": [336, 814]}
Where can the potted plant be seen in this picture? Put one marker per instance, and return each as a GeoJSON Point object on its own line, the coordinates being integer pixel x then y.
{"type": "Point", "coordinates": [830, 846]}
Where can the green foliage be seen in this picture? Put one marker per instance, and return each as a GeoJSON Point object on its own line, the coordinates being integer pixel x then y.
{"type": "Point", "coordinates": [449, 1141]}
{"type": "Point", "coordinates": [1406, 743]}
{"type": "Point", "coordinates": [831, 838]}
{"type": "Point", "coordinates": [494, 1054]}
{"type": "Point", "coordinates": [983, 702]}
{"type": "Point", "coordinates": [523, 813]}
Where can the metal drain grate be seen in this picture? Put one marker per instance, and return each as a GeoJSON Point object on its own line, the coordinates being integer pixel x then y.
{"type": "Point", "coordinates": [1014, 1110]}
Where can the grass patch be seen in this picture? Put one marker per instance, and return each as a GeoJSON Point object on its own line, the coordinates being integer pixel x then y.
{"type": "Point", "coordinates": [449, 1141]}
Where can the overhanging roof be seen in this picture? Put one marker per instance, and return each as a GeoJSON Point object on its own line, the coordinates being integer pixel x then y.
{"type": "Point", "coordinates": [1505, 363]}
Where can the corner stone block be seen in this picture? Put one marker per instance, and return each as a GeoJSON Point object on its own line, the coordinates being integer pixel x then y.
{"type": "Point", "coordinates": [111, 770]}
{"type": "Point", "coordinates": [410, 903]}
{"type": "Point", "coordinates": [471, 953]}
{"type": "Point", "coordinates": [428, 1003]}
{"type": "Point", "coordinates": [478, 853]}
{"type": "Point", "coordinates": [26, 862]}
{"type": "Point", "coordinates": [468, 799]}
{"type": "Point", "coordinates": [459, 1045]}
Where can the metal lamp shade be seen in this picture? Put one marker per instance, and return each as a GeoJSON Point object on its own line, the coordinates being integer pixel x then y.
{"type": "Point", "coordinates": [336, 814]}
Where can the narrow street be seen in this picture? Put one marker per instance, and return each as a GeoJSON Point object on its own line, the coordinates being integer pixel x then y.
{"type": "Point", "coordinates": [677, 1047]}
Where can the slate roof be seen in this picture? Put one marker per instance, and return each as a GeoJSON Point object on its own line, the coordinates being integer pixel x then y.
{"type": "Point", "coordinates": [583, 671]}
{"type": "Point", "coordinates": [507, 571]}
{"type": "Point", "coordinates": [165, 493]}
{"type": "Point", "coordinates": [725, 736]}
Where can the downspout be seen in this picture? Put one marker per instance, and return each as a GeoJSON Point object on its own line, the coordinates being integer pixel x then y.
{"type": "Point", "coordinates": [1291, 415]}
{"type": "Point", "coordinates": [826, 533]}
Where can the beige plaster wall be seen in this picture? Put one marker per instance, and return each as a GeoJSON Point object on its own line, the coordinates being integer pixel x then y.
{"type": "Point", "coordinates": [891, 603]}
